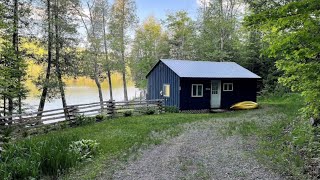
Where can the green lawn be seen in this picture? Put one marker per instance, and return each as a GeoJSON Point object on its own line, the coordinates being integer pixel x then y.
{"type": "Point", "coordinates": [120, 138]}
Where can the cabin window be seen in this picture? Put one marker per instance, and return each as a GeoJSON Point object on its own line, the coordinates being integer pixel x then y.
{"type": "Point", "coordinates": [166, 90]}
{"type": "Point", "coordinates": [227, 86]}
{"type": "Point", "coordinates": [197, 90]}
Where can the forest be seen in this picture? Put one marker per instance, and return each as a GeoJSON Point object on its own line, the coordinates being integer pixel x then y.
{"type": "Point", "coordinates": [278, 40]}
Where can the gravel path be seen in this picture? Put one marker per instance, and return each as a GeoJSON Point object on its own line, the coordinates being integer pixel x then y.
{"type": "Point", "coordinates": [200, 152]}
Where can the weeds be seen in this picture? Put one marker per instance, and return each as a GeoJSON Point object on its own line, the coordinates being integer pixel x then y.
{"type": "Point", "coordinates": [35, 158]}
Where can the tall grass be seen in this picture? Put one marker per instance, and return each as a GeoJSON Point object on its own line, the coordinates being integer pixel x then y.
{"type": "Point", "coordinates": [34, 158]}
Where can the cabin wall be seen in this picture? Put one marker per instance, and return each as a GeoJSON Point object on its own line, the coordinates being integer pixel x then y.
{"type": "Point", "coordinates": [243, 90]}
{"type": "Point", "coordinates": [160, 75]}
{"type": "Point", "coordinates": [187, 102]}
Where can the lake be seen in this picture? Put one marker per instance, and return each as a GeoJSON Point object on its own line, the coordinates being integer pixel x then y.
{"type": "Point", "coordinates": [80, 91]}
{"type": "Point", "coordinates": [80, 95]}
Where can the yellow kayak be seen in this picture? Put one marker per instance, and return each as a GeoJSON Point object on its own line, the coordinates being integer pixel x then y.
{"type": "Point", "coordinates": [245, 105]}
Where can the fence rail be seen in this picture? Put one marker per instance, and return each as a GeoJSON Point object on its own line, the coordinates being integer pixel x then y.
{"type": "Point", "coordinates": [53, 117]}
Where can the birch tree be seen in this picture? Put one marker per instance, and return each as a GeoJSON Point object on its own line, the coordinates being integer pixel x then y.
{"type": "Point", "coordinates": [123, 19]}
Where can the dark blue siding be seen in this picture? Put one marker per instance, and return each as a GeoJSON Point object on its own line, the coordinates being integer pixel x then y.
{"type": "Point", "coordinates": [243, 90]}
{"type": "Point", "coordinates": [159, 76]}
{"type": "Point", "coordinates": [194, 103]}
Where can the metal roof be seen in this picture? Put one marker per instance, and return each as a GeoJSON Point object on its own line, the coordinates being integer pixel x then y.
{"type": "Point", "coordinates": [208, 69]}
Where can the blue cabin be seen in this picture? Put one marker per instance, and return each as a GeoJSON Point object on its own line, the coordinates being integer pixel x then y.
{"type": "Point", "coordinates": [201, 85]}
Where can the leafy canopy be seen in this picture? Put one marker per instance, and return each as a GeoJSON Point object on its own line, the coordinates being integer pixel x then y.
{"type": "Point", "coordinates": [292, 32]}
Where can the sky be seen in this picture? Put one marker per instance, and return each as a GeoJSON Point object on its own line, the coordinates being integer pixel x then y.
{"type": "Point", "coordinates": [160, 8]}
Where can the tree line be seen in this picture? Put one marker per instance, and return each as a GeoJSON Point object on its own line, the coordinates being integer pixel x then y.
{"type": "Point", "coordinates": [277, 40]}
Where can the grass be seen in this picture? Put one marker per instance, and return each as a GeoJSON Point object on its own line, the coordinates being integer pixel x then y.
{"type": "Point", "coordinates": [33, 158]}
{"type": "Point", "coordinates": [284, 138]}
{"type": "Point", "coordinates": [277, 126]}
{"type": "Point", "coordinates": [118, 139]}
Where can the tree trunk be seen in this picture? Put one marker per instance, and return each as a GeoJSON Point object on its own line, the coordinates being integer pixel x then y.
{"type": "Point", "coordinates": [221, 30]}
{"type": "Point", "coordinates": [15, 42]}
{"type": "Point", "coordinates": [10, 108]}
{"type": "Point", "coordinates": [58, 71]}
{"type": "Point", "coordinates": [96, 79]}
{"type": "Point", "coordinates": [125, 91]}
{"type": "Point", "coordinates": [106, 53]}
{"type": "Point", "coordinates": [124, 85]}
{"type": "Point", "coordinates": [4, 106]}
{"type": "Point", "coordinates": [45, 87]}
{"type": "Point", "coordinates": [110, 84]}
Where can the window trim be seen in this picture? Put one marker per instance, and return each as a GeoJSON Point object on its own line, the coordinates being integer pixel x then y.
{"type": "Point", "coordinates": [228, 86]}
{"type": "Point", "coordinates": [164, 90]}
{"type": "Point", "coordinates": [196, 90]}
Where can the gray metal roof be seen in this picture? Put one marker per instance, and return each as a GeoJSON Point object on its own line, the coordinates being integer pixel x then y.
{"type": "Point", "coordinates": [208, 69]}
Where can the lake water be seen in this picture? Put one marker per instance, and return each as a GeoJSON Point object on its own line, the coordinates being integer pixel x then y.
{"type": "Point", "coordinates": [80, 95]}
{"type": "Point", "coordinates": [81, 90]}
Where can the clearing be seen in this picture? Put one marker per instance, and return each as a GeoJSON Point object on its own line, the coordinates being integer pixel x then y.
{"type": "Point", "coordinates": [230, 145]}
{"type": "Point", "coordinates": [202, 151]}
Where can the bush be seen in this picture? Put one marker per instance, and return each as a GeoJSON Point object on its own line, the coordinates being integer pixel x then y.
{"type": "Point", "coordinates": [171, 109]}
{"type": "Point", "coordinates": [127, 113]}
{"type": "Point", "coordinates": [32, 159]}
{"type": "Point", "coordinates": [149, 111]}
{"type": "Point", "coordinates": [86, 149]}
{"type": "Point", "coordinates": [146, 110]}
{"type": "Point", "coordinates": [100, 117]}
{"type": "Point", "coordinates": [83, 120]}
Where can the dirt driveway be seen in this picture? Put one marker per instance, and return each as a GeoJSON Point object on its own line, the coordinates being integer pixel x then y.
{"type": "Point", "coordinates": [200, 152]}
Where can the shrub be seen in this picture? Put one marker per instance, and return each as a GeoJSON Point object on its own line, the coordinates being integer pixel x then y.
{"type": "Point", "coordinates": [146, 110]}
{"type": "Point", "coordinates": [83, 120]}
{"type": "Point", "coordinates": [100, 117]}
{"type": "Point", "coordinates": [86, 149]}
{"type": "Point", "coordinates": [171, 109]}
{"type": "Point", "coordinates": [150, 111]}
{"type": "Point", "coordinates": [127, 113]}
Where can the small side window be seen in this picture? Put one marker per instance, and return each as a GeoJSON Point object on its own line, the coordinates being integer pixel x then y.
{"type": "Point", "coordinates": [227, 86]}
{"type": "Point", "coordinates": [166, 90]}
{"type": "Point", "coordinates": [197, 90]}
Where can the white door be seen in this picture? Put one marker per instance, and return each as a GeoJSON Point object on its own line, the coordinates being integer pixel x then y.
{"type": "Point", "coordinates": [215, 93]}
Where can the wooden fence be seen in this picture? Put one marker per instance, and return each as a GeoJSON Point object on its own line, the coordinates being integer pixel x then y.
{"type": "Point", "coordinates": [53, 119]}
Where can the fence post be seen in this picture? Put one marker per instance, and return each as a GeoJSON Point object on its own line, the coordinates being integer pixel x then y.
{"type": "Point", "coordinates": [160, 106]}
{"type": "Point", "coordinates": [111, 108]}
{"type": "Point", "coordinates": [73, 112]}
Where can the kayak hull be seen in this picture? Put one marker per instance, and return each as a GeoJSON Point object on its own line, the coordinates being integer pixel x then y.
{"type": "Point", "coordinates": [245, 105]}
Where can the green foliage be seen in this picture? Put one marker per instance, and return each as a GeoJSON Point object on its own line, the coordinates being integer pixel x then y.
{"type": "Point", "coordinates": [85, 149]}
{"type": "Point", "coordinates": [100, 117]}
{"type": "Point", "coordinates": [146, 110]}
{"type": "Point", "coordinates": [34, 158]}
{"type": "Point", "coordinates": [83, 120]}
{"type": "Point", "coordinates": [285, 142]}
{"type": "Point", "coordinates": [218, 38]}
{"type": "Point", "coordinates": [150, 111]}
{"type": "Point", "coordinates": [291, 31]}
{"type": "Point", "coordinates": [171, 109]}
{"type": "Point", "coordinates": [123, 18]}
{"type": "Point", "coordinates": [181, 31]}
{"type": "Point", "coordinates": [127, 113]}
{"type": "Point", "coordinates": [150, 45]}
